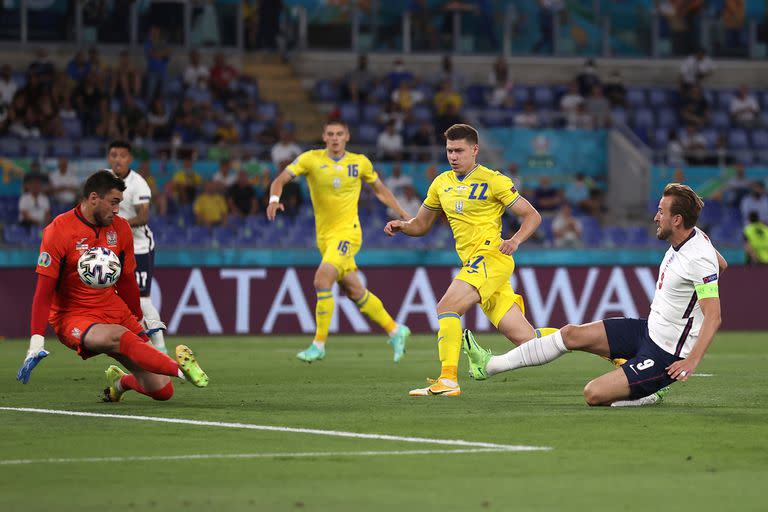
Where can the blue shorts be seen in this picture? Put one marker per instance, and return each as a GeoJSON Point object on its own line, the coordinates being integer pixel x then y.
{"type": "Point", "coordinates": [646, 366]}
{"type": "Point", "coordinates": [145, 265]}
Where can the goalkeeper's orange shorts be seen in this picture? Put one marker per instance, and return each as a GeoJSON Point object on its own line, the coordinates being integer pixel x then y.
{"type": "Point", "coordinates": [73, 326]}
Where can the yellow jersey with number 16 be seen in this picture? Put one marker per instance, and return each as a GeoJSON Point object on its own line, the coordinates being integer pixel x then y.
{"type": "Point", "coordinates": [474, 204]}
{"type": "Point", "coordinates": [334, 186]}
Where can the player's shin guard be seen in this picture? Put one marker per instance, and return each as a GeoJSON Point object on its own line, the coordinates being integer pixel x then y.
{"type": "Point", "coordinates": [323, 314]}
{"type": "Point", "coordinates": [151, 313]}
{"type": "Point", "coordinates": [372, 307]}
{"type": "Point", "coordinates": [449, 345]}
{"type": "Point", "coordinates": [147, 357]}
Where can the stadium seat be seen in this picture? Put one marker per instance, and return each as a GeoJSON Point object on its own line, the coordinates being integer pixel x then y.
{"type": "Point", "coordinates": [660, 138]}
{"type": "Point", "coordinates": [72, 128]}
{"type": "Point", "coordinates": [325, 91]}
{"type": "Point", "coordinates": [371, 113]}
{"type": "Point", "coordinates": [92, 148]}
{"type": "Point", "coordinates": [760, 139]}
{"type": "Point", "coordinates": [592, 237]}
{"type": "Point", "coordinates": [744, 156]}
{"type": "Point", "coordinates": [63, 148]}
{"type": "Point", "coordinates": [616, 236]}
{"type": "Point", "coordinates": [349, 112]}
{"type": "Point", "coordinates": [737, 139]}
{"type": "Point", "coordinates": [475, 95]}
{"type": "Point", "coordinates": [495, 117]}
{"type": "Point", "coordinates": [658, 98]}
{"type": "Point", "coordinates": [619, 116]}
{"type": "Point", "coordinates": [711, 136]}
{"type": "Point", "coordinates": [638, 236]}
{"type": "Point", "coordinates": [643, 118]}
{"type": "Point", "coordinates": [367, 133]}
{"type": "Point", "coordinates": [724, 99]}
{"type": "Point", "coordinates": [636, 97]}
{"type": "Point", "coordinates": [422, 113]}
{"type": "Point", "coordinates": [521, 94]}
{"type": "Point", "coordinates": [720, 119]}
{"type": "Point", "coordinates": [11, 147]}
{"type": "Point", "coordinates": [267, 110]}
{"type": "Point", "coordinates": [37, 148]}
{"type": "Point", "coordinates": [667, 118]}
{"type": "Point", "coordinates": [712, 213]}
{"type": "Point", "coordinates": [543, 97]}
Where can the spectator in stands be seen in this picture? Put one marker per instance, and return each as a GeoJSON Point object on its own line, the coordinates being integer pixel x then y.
{"type": "Point", "coordinates": [447, 95]}
{"type": "Point", "coordinates": [241, 196]}
{"type": "Point", "coordinates": [126, 78]}
{"type": "Point", "coordinates": [398, 75]}
{"type": "Point", "coordinates": [48, 117]}
{"type": "Point", "coordinates": [580, 119]}
{"type": "Point", "coordinates": [357, 82]}
{"type": "Point", "coordinates": [158, 55]}
{"type": "Point", "coordinates": [188, 120]}
{"type": "Point", "coordinates": [405, 97]}
{"type": "Point", "coordinates": [675, 150]}
{"type": "Point", "coordinates": [738, 187]}
{"type": "Point", "coordinates": [577, 192]}
{"type": "Point", "coordinates": [744, 108]}
{"type": "Point", "coordinates": [756, 240]}
{"type": "Point", "coordinates": [695, 69]}
{"type": "Point", "coordinates": [599, 108]}
{"type": "Point", "coordinates": [32, 89]}
{"type": "Point", "coordinates": [694, 145]}
{"type": "Point", "coordinates": [614, 89]}
{"type": "Point", "coordinates": [158, 120]}
{"type": "Point", "coordinates": [501, 83]}
{"type": "Point", "coordinates": [448, 73]}
{"type": "Point", "coordinates": [571, 100]}
{"type": "Point", "coordinates": [722, 155]}
{"type": "Point", "coordinates": [292, 199]}
{"type": "Point", "coordinates": [34, 206]}
{"type": "Point", "coordinates": [227, 132]}
{"type": "Point", "coordinates": [196, 73]}
{"type": "Point", "coordinates": [42, 68]}
{"type": "Point", "coordinates": [547, 198]}
{"type": "Point", "coordinates": [64, 185]}
{"type": "Point", "coordinates": [94, 60]}
{"type": "Point", "coordinates": [270, 135]}
{"type": "Point", "coordinates": [588, 78]}
{"type": "Point", "coordinates": [222, 75]}
{"type": "Point", "coordinates": [757, 202]}
{"type": "Point", "coordinates": [695, 108]}
{"type": "Point", "coordinates": [389, 145]}
{"type": "Point", "coordinates": [285, 151]}
{"type": "Point", "coordinates": [78, 67]}
{"type": "Point", "coordinates": [130, 122]}
{"type": "Point", "coordinates": [224, 177]}
{"type": "Point", "coordinates": [91, 103]}
{"type": "Point", "coordinates": [210, 207]}
{"type": "Point", "coordinates": [25, 125]}
{"type": "Point", "coordinates": [392, 112]}
{"type": "Point", "coordinates": [421, 142]}
{"type": "Point", "coordinates": [409, 200]}
{"type": "Point", "coordinates": [159, 202]}
{"type": "Point", "coordinates": [448, 119]}
{"type": "Point", "coordinates": [528, 117]}
{"type": "Point", "coordinates": [566, 229]}
{"type": "Point", "coordinates": [397, 181]}
{"type": "Point", "coordinates": [8, 85]}
{"type": "Point", "coordinates": [186, 182]}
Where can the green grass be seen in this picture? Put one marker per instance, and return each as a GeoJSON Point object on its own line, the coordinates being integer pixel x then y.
{"type": "Point", "coordinates": [705, 448]}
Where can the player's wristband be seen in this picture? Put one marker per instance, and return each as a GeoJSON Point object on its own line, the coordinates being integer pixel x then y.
{"type": "Point", "coordinates": [274, 199]}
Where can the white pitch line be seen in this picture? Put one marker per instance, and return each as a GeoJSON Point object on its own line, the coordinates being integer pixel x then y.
{"type": "Point", "coordinates": [205, 456]}
{"type": "Point", "coordinates": [272, 428]}
{"type": "Point", "coordinates": [703, 375]}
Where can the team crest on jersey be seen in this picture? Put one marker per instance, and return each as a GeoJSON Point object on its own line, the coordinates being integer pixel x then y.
{"type": "Point", "coordinates": [336, 182]}
{"type": "Point", "coordinates": [76, 333]}
{"type": "Point", "coordinates": [459, 206]}
{"type": "Point", "coordinates": [44, 260]}
{"type": "Point", "coordinates": [111, 238]}
{"type": "Point", "coordinates": [81, 245]}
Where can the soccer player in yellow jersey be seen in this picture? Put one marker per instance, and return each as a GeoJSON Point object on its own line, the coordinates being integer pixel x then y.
{"type": "Point", "coordinates": [334, 176]}
{"type": "Point", "coordinates": [474, 199]}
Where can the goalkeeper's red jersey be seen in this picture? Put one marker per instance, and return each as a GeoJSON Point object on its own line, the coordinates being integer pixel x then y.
{"type": "Point", "coordinates": [64, 241]}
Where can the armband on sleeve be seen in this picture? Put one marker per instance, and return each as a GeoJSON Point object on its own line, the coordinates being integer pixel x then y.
{"type": "Point", "coordinates": [707, 291]}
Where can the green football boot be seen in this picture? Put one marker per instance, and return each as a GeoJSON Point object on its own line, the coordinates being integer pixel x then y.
{"type": "Point", "coordinates": [190, 367]}
{"type": "Point", "coordinates": [398, 341]}
{"type": "Point", "coordinates": [477, 356]}
{"type": "Point", "coordinates": [312, 353]}
{"type": "Point", "coordinates": [113, 374]}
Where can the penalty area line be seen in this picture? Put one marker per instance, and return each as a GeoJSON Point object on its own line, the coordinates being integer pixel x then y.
{"type": "Point", "coordinates": [293, 430]}
{"type": "Point", "coordinates": [245, 456]}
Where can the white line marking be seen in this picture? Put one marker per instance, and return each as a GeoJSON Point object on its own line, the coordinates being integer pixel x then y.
{"type": "Point", "coordinates": [205, 456]}
{"type": "Point", "coordinates": [272, 428]}
{"type": "Point", "coordinates": [703, 375]}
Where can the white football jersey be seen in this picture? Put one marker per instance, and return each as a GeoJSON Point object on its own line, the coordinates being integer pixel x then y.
{"type": "Point", "coordinates": [676, 316]}
{"type": "Point", "coordinates": [137, 192]}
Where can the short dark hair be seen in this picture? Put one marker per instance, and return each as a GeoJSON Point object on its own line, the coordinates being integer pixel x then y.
{"type": "Point", "coordinates": [102, 182]}
{"type": "Point", "coordinates": [754, 216]}
{"type": "Point", "coordinates": [337, 122]}
{"type": "Point", "coordinates": [462, 132]}
{"type": "Point", "coordinates": [120, 144]}
{"type": "Point", "coordinates": [685, 202]}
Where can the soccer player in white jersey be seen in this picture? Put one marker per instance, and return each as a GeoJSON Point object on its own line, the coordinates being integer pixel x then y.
{"type": "Point", "coordinates": [685, 315]}
{"type": "Point", "coordinates": [135, 209]}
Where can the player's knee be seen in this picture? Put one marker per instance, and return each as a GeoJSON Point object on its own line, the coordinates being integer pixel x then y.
{"type": "Point", "coordinates": [163, 394]}
{"type": "Point", "coordinates": [570, 335]}
{"type": "Point", "coordinates": [592, 394]}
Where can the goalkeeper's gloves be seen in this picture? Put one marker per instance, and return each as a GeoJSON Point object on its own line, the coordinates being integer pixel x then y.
{"type": "Point", "coordinates": [152, 326]}
{"type": "Point", "coordinates": [35, 354]}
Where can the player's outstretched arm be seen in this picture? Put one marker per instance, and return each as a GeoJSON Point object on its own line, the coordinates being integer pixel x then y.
{"type": "Point", "coordinates": [530, 219]}
{"type": "Point", "coordinates": [721, 263]}
{"type": "Point", "coordinates": [684, 368]}
{"type": "Point", "coordinates": [417, 226]}
{"type": "Point", "coordinates": [41, 306]}
{"type": "Point", "coordinates": [386, 196]}
{"type": "Point", "coordinates": [275, 190]}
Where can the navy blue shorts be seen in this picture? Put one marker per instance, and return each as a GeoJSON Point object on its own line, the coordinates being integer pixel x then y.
{"type": "Point", "coordinates": [145, 264]}
{"type": "Point", "coordinates": [646, 366]}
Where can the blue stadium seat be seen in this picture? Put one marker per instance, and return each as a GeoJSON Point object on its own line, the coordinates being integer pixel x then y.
{"type": "Point", "coordinates": [744, 156]}
{"type": "Point", "coordinates": [255, 128]}
{"type": "Point", "coordinates": [72, 128]}
{"type": "Point", "coordinates": [619, 116]}
{"type": "Point", "coordinates": [11, 147]}
{"type": "Point", "coordinates": [495, 117]}
{"type": "Point", "coordinates": [475, 95]}
{"type": "Point", "coordinates": [543, 97]}
{"type": "Point", "coordinates": [721, 119]}
{"type": "Point", "coordinates": [737, 139]}
{"type": "Point", "coordinates": [616, 236]}
{"type": "Point", "coordinates": [174, 86]}
{"type": "Point", "coordinates": [711, 136]}
{"type": "Point", "coordinates": [367, 133]}
{"type": "Point", "coordinates": [371, 113]}
{"type": "Point", "coordinates": [638, 236]}
{"type": "Point", "coordinates": [37, 148]}
{"type": "Point", "coordinates": [659, 98]}
{"type": "Point", "coordinates": [667, 118]}
{"type": "Point", "coordinates": [209, 129]}
{"type": "Point", "coordinates": [592, 237]}
{"type": "Point", "coordinates": [724, 99]}
{"type": "Point", "coordinates": [223, 236]}
{"type": "Point", "coordinates": [760, 139]}
{"type": "Point", "coordinates": [712, 213]}
{"type": "Point", "coordinates": [643, 118]}
{"type": "Point", "coordinates": [267, 110]}
{"type": "Point", "coordinates": [326, 91]}
{"type": "Point", "coordinates": [92, 148]}
{"type": "Point", "coordinates": [13, 234]}
{"type": "Point", "coordinates": [521, 94]}
{"type": "Point", "coordinates": [63, 148]}
{"type": "Point", "coordinates": [660, 138]}
{"type": "Point", "coordinates": [349, 112]}
{"type": "Point", "coordinates": [636, 97]}
{"type": "Point", "coordinates": [422, 113]}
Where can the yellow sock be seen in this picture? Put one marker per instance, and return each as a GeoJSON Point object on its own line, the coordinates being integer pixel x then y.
{"type": "Point", "coordinates": [323, 314]}
{"type": "Point", "coordinates": [545, 331]}
{"type": "Point", "coordinates": [449, 345]}
{"type": "Point", "coordinates": [372, 307]}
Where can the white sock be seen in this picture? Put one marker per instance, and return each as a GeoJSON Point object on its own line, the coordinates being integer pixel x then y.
{"type": "Point", "coordinates": [118, 387]}
{"type": "Point", "coordinates": [536, 352]}
{"type": "Point", "coordinates": [151, 313]}
{"type": "Point", "coordinates": [646, 400]}
{"type": "Point", "coordinates": [180, 374]}
{"type": "Point", "coordinates": [319, 344]}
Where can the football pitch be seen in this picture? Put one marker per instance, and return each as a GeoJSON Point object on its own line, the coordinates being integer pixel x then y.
{"type": "Point", "coordinates": [272, 433]}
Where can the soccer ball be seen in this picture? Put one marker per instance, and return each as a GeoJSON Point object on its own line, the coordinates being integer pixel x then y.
{"type": "Point", "coordinates": [98, 267]}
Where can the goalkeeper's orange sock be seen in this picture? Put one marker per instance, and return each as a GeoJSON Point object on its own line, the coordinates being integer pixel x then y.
{"type": "Point", "coordinates": [147, 357]}
{"type": "Point", "coordinates": [129, 382]}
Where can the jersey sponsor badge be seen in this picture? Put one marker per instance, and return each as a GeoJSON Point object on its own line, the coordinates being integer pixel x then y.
{"type": "Point", "coordinates": [711, 278]}
{"type": "Point", "coordinates": [111, 238]}
{"type": "Point", "coordinates": [44, 260]}
{"type": "Point", "coordinates": [76, 333]}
